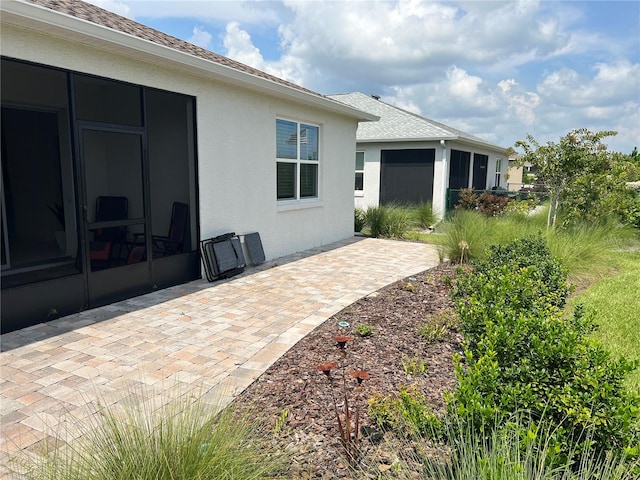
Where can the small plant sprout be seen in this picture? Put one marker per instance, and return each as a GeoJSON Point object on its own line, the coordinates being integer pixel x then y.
{"type": "Point", "coordinates": [364, 330]}
{"type": "Point", "coordinates": [414, 366]}
{"type": "Point", "coordinates": [411, 287]}
{"type": "Point", "coordinates": [432, 332]}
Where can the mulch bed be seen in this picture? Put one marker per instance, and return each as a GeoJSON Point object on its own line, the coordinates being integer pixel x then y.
{"type": "Point", "coordinates": [296, 397]}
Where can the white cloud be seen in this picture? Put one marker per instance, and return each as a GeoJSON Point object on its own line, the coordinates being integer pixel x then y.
{"type": "Point", "coordinates": [461, 84]}
{"type": "Point", "coordinates": [200, 37]}
{"type": "Point", "coordinates": [612, 83]}
{"type": "Point", "coordinates": [522, 102]}
{"type": "Point", "coordinates": [238, 45]}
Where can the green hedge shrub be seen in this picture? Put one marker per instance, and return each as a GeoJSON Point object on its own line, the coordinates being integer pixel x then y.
{"type": "Point", "coordinates": [522, 353]}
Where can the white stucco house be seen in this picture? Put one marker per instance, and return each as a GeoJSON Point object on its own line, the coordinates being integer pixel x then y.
{"type": "Point", "coordinates": [406, 158]}
{"type": "Point", "coordinates": [115, 134]}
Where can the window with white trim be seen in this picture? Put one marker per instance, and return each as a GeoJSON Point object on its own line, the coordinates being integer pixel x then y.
{"type": "Point", "coordinates": [498, 172]}
{"type": "Point", "coordinates": [297, 160]}
{"type": "Point", "coordinates": [359, 186]}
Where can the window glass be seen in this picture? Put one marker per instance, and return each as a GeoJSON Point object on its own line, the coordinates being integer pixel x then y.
{"type": "Point", "coordinates": [286, 139]}
{"type": "Point", "coordinates": [359, 184]}
{"type": "Point", "coordinates": [297, 152]}
{"type": "Point", "coordinates": [286, 180]}
{"type": "Point", "coordinates": [498, 172]}
{"type": "Point", "coordinates": [107, 101]}
{"type": "Point", "coordinates": [308, 142]}
{"type": "Point", "coordinates": [308, 180]}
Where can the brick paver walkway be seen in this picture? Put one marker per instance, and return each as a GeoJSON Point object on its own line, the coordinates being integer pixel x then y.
{"type": "Point", "coordinates": [213, 337]}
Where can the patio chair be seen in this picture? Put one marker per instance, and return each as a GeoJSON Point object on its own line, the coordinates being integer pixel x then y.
{"type": "Point", "coordinates": [101, 248]}
{"type": "Point", "coordinates": [173, 243]}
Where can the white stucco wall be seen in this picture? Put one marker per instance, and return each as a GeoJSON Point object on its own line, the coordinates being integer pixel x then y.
{"type": "Point", "coordinates": [235, 146]}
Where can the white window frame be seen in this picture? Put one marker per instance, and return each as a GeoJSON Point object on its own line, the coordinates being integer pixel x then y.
{"type": "Point", "coordinates": [498, 178]}
{"type": "Point", "coordinates": [364, 161]}
{"type": "Point", "coordinates": [298, 162]}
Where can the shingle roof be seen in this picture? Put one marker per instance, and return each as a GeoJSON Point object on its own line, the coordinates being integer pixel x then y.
{"type": "Point", "coordinates": [397, 124]}
{"type": "Point", "coordinates": [105, 18]}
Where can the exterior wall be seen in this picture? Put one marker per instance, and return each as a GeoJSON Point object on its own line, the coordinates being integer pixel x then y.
{"type": "Point", "coordinates": [515, 178]}
{"type": "Point", "coordinates": [370, 196]}
{"type": "Point", "coordinates": [235, 146]}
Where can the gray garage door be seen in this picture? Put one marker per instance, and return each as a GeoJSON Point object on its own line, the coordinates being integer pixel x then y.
{"type": "Point", "coordinates": [406, 176]}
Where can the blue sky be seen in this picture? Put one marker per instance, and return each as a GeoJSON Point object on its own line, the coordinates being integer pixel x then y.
{"type": "Point", "coordinates": [496, 69]}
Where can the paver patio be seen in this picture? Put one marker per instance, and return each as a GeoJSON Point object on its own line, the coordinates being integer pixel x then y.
{"type": "Point", "coordinates": [216, 338]}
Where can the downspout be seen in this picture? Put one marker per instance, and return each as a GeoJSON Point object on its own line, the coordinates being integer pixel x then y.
{"type": "Point", "coordinates": [445, 177]}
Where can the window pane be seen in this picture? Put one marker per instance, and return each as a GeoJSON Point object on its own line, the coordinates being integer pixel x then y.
{"type": "Point", "coordinates": [308, 180]}
{"type": "Point", "coordinates": [359, 160]}
{"type": "Point", "coordinates": [286, 180]}
{"type": "Point", "coordinates": [107, 101]}
{"type": "Point", "coordinates": [308, 142]}
{"type": "Point", "coordinates": [359, 181]}
{"type": "Point", "coordinates": [286, 139]}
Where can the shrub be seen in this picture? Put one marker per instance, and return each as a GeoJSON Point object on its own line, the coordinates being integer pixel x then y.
{"type": "Point", "coordinates": [491, 205]}
{"type": "Point", "coordinates": [467, 200]}
{"type": "Point", "coordinates": [522, 353]}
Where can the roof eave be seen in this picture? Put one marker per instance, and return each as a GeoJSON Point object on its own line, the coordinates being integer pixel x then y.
{"type": "Point", "coordinates": [43, 19]}
{"type": "Point", "coordinates": [456, 138]}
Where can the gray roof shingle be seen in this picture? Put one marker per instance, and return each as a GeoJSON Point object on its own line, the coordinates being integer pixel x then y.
{"type": "Point", "coordinates": [396, 124]}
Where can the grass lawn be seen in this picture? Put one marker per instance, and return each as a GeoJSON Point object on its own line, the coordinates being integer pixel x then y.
{"type": "Point", "coordinates": [616, 301]}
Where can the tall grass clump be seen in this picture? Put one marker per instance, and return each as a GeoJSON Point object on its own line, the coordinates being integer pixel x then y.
{"type": "Point", "coordinates": [388, 221]}
{"type": "Point", "coordinates": [469, 227]}
{"type": "Point", "coordinates": [425, 216]}
{"type": "Point", "coordinates": [588, 250]}
{"type": "Point", "coordinates": [185, 439]}
{"type": "Point", "coordinates": [517, 451]}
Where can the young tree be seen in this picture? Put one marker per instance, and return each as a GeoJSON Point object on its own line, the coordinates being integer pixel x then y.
{"type": "Point", "coordinates": [560, 165]}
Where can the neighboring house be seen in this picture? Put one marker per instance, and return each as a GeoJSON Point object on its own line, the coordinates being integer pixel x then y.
{"type": "Point", "coordinates": [406, 158]}
{"type": "Point", "coordinates": [520, 176]}
{"type": "Point", "coordinates": [111, 129]}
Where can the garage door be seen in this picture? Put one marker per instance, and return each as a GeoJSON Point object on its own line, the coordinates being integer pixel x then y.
{"type": "Point", "coordinates": [406, 176]}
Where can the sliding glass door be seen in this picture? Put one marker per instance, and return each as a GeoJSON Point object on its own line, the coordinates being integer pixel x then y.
{"type": "Point", "coordinates": [115, 218]}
